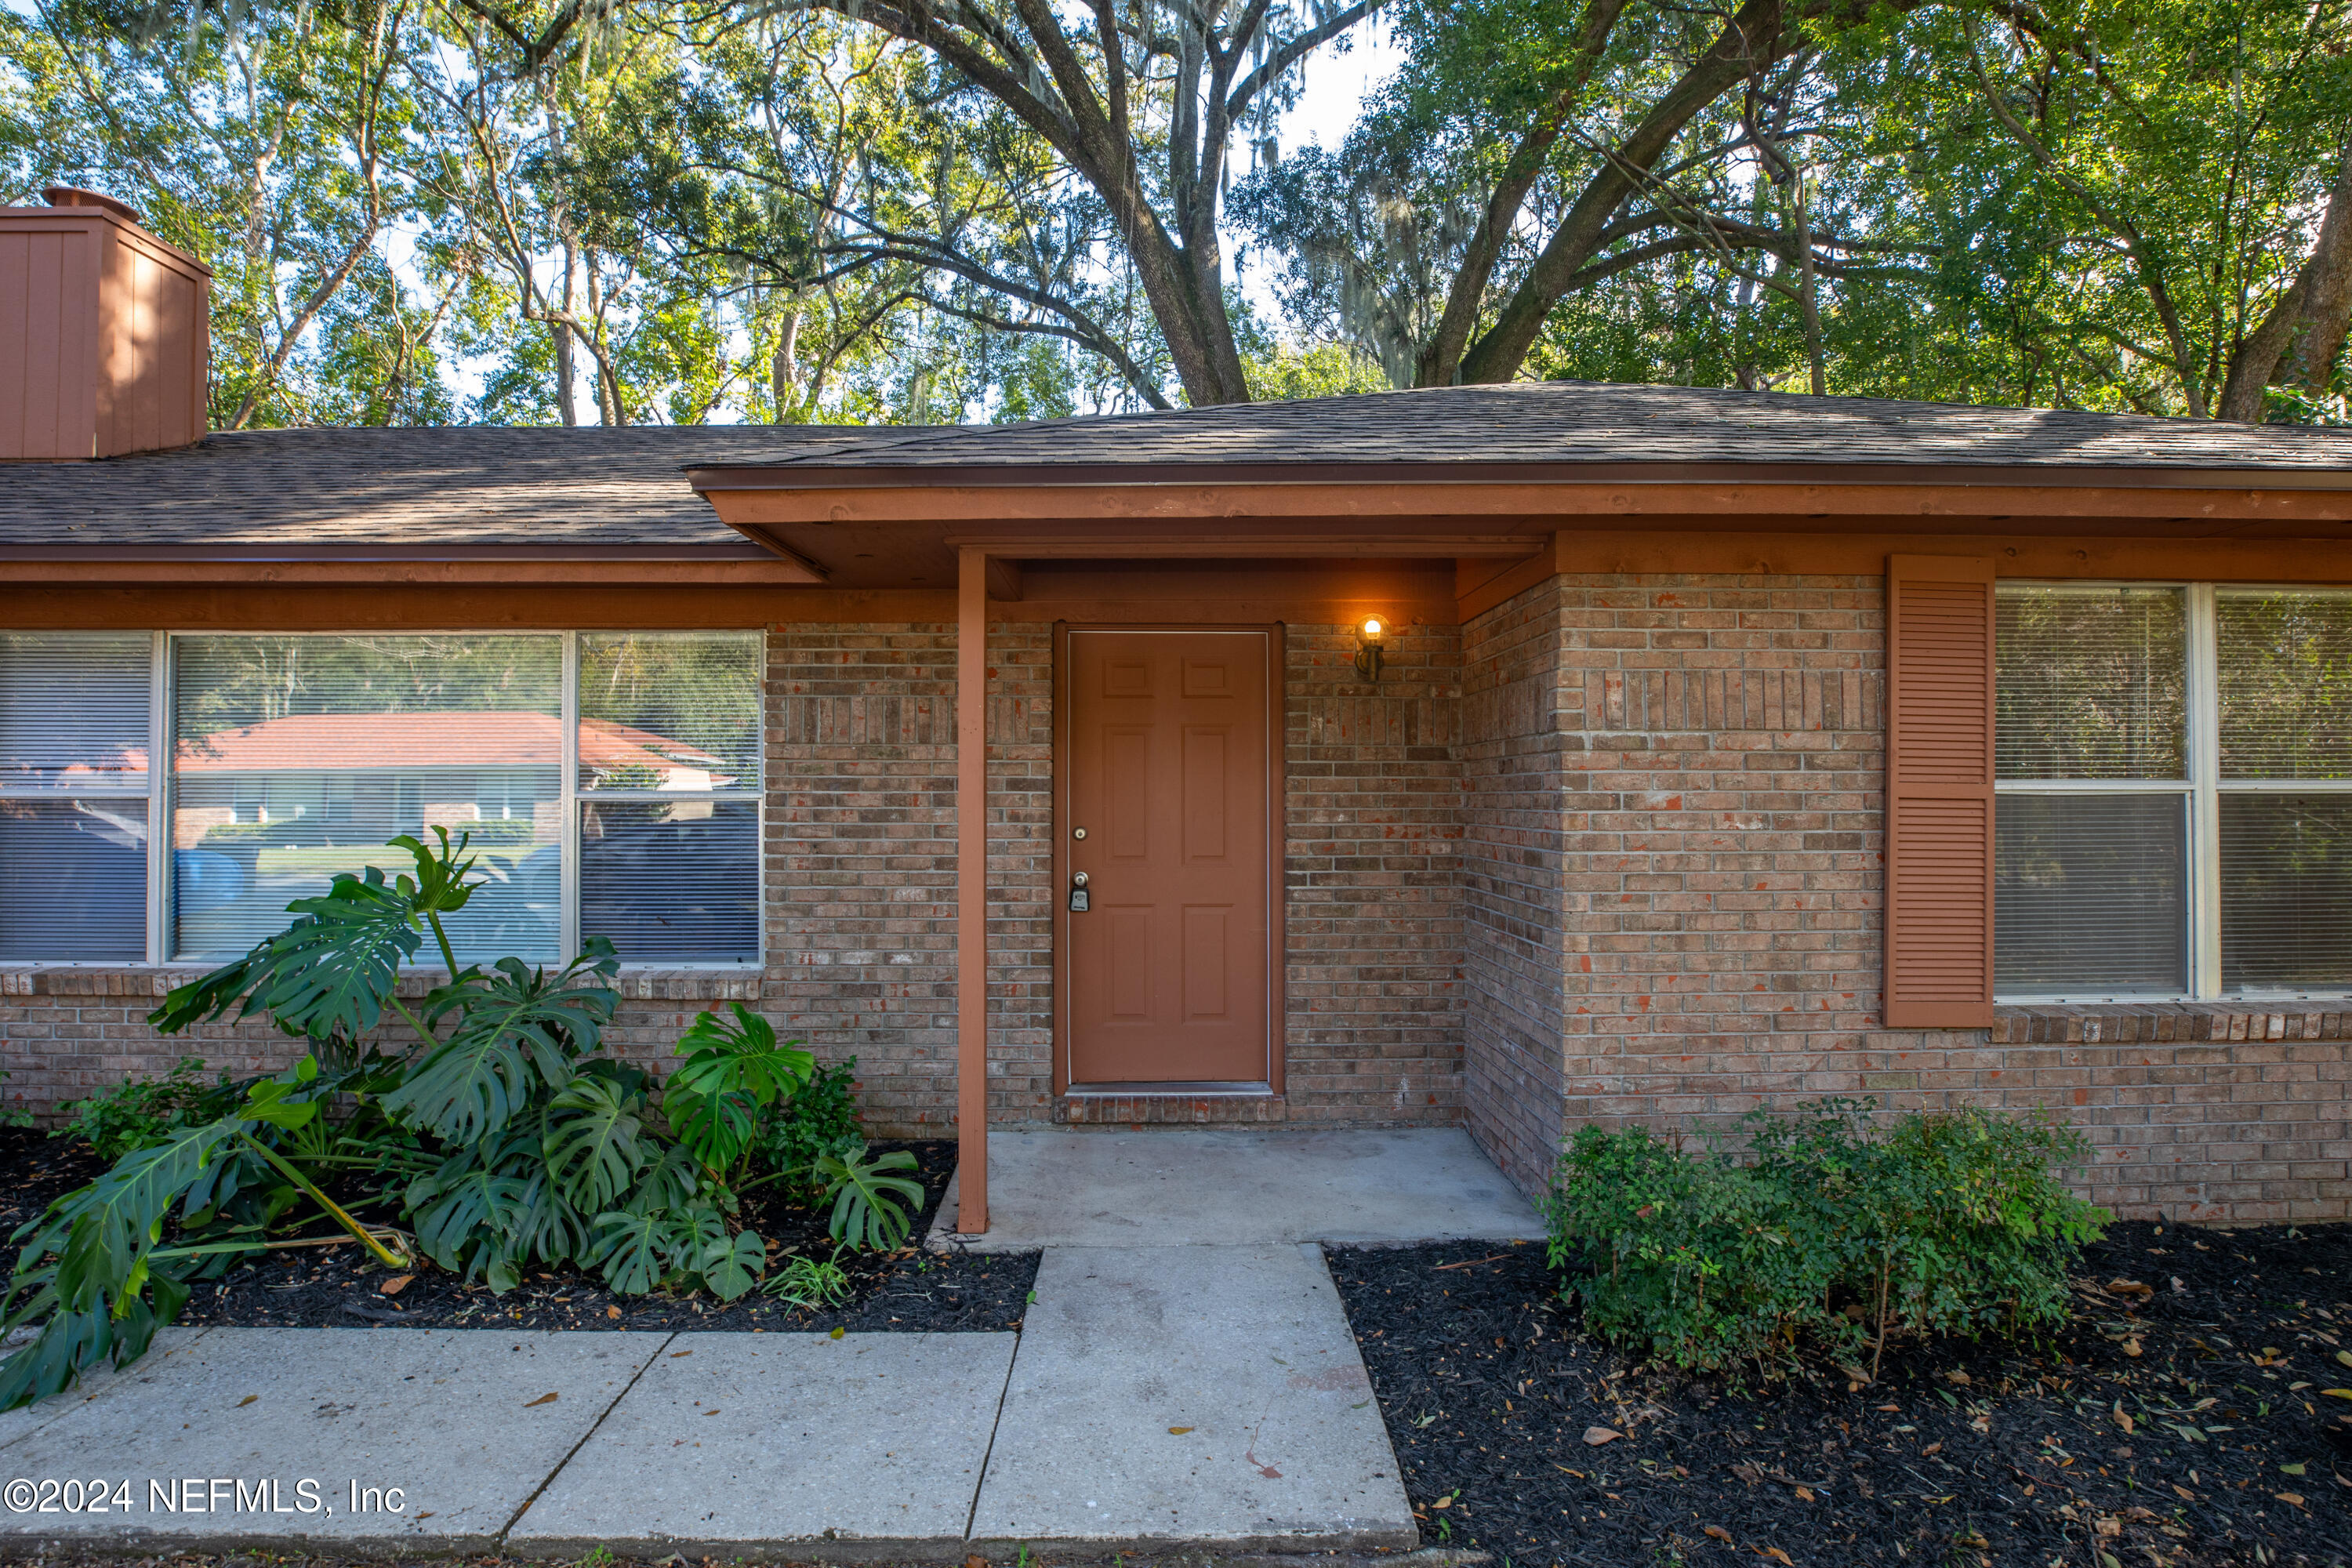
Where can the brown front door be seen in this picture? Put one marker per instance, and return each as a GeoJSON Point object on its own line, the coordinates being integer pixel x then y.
{"type": "Point", "coordinates": [1168, 782]}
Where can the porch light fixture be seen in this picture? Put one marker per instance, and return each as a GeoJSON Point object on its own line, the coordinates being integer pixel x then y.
{"type": "Point", "coordinates": [1371, 635]}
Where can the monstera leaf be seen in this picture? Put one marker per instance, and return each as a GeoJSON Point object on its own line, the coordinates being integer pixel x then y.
{"type": "Point", "coordinates": [517, 1027]}
{"type": "Point", "coordinates": [867, 1198]}
{"type": "Point", "coordinates": [330, 975]}
{"type": "Point", "coordinates": [595, 1143]}
{"type": "Point", "coordinates": [730, 1072]}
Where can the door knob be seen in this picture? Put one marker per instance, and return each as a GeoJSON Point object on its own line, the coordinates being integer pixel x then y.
{"type": "Point", "coordinates": [1078, 892]}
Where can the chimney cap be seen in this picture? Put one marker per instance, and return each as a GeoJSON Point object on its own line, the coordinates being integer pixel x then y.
{"type": "Point", "coordinates": [75, 196]}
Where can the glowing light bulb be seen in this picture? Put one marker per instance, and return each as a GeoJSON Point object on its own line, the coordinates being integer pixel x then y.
{"type": "Point", "coordinates": [1372, 627]}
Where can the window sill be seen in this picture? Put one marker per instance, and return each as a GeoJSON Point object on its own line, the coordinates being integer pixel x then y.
{"type": "Point", "coordinates": [636, 982]}
{"type": "Point", "coordinates": [2153, 1022]}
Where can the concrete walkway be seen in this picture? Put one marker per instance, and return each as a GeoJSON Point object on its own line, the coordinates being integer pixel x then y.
{"type": "Point", "coordinates": [1202, 1391]}
{"type": "Point", "coordinates": [1221, 1186]}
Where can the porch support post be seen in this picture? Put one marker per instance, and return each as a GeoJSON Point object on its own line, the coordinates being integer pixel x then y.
{"type": "Point", "coordinates": [972, 891]}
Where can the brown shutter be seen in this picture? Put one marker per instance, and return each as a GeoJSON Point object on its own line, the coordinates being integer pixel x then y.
{"type": "Point", "coordinates": [1939, 805]}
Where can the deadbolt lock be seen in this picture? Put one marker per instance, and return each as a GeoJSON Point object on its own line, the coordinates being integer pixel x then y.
{"type": "Point", "coordinates": [1077, 833]}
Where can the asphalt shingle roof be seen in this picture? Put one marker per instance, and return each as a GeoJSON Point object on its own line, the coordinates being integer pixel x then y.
{"type": "Point", "coordinates": [465, 486]}
{"type": "Point", "coordinates": [477, 486]}
{"type": "Point", "coordinates": [1598, 422]}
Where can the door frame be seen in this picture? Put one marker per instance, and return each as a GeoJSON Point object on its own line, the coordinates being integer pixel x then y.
{"type": "Point", "coordinates": [1277, 841]}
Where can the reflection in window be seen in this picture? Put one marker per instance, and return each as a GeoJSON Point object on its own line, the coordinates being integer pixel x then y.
{"type": "Point", "coordinates": [295, 758]}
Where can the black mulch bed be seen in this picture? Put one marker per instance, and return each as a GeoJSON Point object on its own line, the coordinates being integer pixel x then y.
{"type": "Point", "coordinates": [1961, 1454]}
{"type": "Point", "coordinates": [341, 1286]}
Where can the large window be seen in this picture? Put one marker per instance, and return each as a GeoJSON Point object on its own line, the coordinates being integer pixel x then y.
{"type": "Point", "coordinates": [2174, 792]}
{"type": "Point", "coordinates": [609, 786]}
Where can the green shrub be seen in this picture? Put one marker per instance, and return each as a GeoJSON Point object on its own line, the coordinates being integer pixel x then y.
{"type": "Point", "coordinates": [135, 1113]}
{"type": "Point", "coordinates": [820, 1118]}
{"type": "Point", "coordinates": [1824, 1229]}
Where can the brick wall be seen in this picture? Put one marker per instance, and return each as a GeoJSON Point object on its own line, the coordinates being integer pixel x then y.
{"type": "Point", "coordinates": [1714, 854]}
{"type": "Point", "coordinates": [1372, 878]}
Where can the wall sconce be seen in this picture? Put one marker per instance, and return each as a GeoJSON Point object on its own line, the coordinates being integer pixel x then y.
{"type": "Point", "coordinates": [1371, 635]}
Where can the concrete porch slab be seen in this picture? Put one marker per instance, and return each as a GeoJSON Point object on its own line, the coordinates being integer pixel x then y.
{"type": "Point", "coordinates": [466, 1424]}
{"type": "Point", "coordinates": [1220, 1186]}
{"type": "Point", "coordinates": [868, 1447]}
{"type": "Point", "coordinates": [1201, 1396]}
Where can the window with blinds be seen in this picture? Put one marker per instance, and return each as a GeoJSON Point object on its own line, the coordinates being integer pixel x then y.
{"type": "Point", "coordinates": [2164, 831]}
{"type": "Point", "coordinates": [75, 712]}
{"type": "Point", "coordinates": [607, 785]}
{"type": "Point", "coordinates": [669, 794]}
{"type": "Point", "coordinates": [2284, 733]}
{"type": "Point", "coordinates": [2091, 884]}
{"type": "Point", "coordinates": [295, 758]}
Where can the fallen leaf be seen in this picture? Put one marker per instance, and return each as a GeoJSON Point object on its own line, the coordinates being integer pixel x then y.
{"type": "Point", "coordinates": [2294, 1470]}
{"type": "Point", "coordinates": [542, 1399]}
{"type": "Point", "coordinates": [2131, 1349]}
{"type": "Point", "coordinates": [1894, 1407]}
{"type": "Point", "coordinates": [2337, 1393]}
{"type": "Point", "coordinates": [426, 1514]}
{"type": "Point", "coordinates": [1806, 1493]}
{"type": "Point", "coordinates": [975, 1561]}
{"type": "Point", "coordinates": [611, 1312]}
{"type": "Point", "coordinates": [1957, 1376]}
{"type": "Point", "coordinates": [2108, 1526]}
{"type": "Point", "coordinates": [836, 1333]}
{"type": "Point", "coordinates": [246, 1400]}
{"type": "Point", "coordinates": [2293, 1500]}
{"type": "Point", "coordinates": [393, 1286]}
{"type": "Point", "coordinates": [1933, 1448]}
{"type": "Point", "coordinates": [1776, 1554]}
{"type": "Point", "coordinates": [1719, 1534]}
{"type": "Point", "coordinates": [712, 1411]}
{"type": "Point", "coordinates": [1596, 1436]}
{"type": "Point", "coordinates": [1178, 1431]}
{"type": "Point", "coordinates": [675, 1354]}
{"type": "Point", "coordinates": [2345, 1356]}
{"type": "Point", "coordinates": [2131, 1288]}
{"type": "Point", "coordinates": [2122, 1418]}
{"type": "Point", "coordinates": [2184, 1492]}
{"type": "Point", "coordinates": [1442, 1502]}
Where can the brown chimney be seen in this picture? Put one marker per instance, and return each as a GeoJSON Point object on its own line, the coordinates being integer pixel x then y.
{"type": "Point", "coordinates": [103, 346]}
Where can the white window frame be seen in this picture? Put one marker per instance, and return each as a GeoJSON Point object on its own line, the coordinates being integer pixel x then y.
{"type": "Point", "coordinates": [2202, 789]}
{"type": "Point", "coordinates": [157, 792]}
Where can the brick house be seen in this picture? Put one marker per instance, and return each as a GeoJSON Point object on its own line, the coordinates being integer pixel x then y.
{"type": "Point", "coordinates": [1511, 756]}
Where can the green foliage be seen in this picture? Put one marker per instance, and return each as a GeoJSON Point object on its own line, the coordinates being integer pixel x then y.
{"type": "Point", "coordinates": [868, 1198]}
{"type": "Point", "coordinates": [501, 1135]}
{"type": "Point", "coordinates": [820, 1118]}
{"type": "Point", "coordinates": [731, 1074]}
{"type": "Point", "coordinates": [1944, 1223]}
{"type": "Point", "coordinates": [812, 1282]}
{"type": "Point", "coordinates": [135, 1114]}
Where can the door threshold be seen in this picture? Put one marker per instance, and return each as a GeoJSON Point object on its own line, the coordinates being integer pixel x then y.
{"type": "Point", "coordinates": [1224, 1088]}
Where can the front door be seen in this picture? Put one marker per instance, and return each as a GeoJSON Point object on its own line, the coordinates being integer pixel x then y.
{"type": "Point", "coordinates": [1170, 819]}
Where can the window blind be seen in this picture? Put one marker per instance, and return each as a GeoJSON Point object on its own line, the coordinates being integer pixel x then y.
{"type": "Point", "coordinates": [2091, 894]}
{"type": "Point", "coordinates": [2287, 891]}
{"type": "Point", "coordinates": [74, 709]}
{"type": "Point", "coordinates": [2285, 678]}
{"type": "Point", "coordinates": [296, 757]}
{"type": "Point", "coordinates": [74, 717]}
{"type": "Point", "coordinates": [2092, 683]}
{"type": "Point", "coordinates": [670, 712]}
{"type": "Point", "coordinates": [669, 802]}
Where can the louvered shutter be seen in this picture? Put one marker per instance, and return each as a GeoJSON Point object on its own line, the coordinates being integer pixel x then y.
{"type": "Point", "coordinates": [1939, 799]}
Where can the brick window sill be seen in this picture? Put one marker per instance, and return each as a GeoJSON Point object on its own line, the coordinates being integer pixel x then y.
{"type": "Point", "coordinates": [2131, 1023]}
{"type": "Point", "coordinates": [637, 982]}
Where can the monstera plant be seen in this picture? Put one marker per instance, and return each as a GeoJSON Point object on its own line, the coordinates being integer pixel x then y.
{"type": "Point", "coordinates": [482, 1112]}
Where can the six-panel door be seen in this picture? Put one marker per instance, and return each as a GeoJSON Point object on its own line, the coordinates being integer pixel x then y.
{"type": "Point", "coordinates": [1168, 781]}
